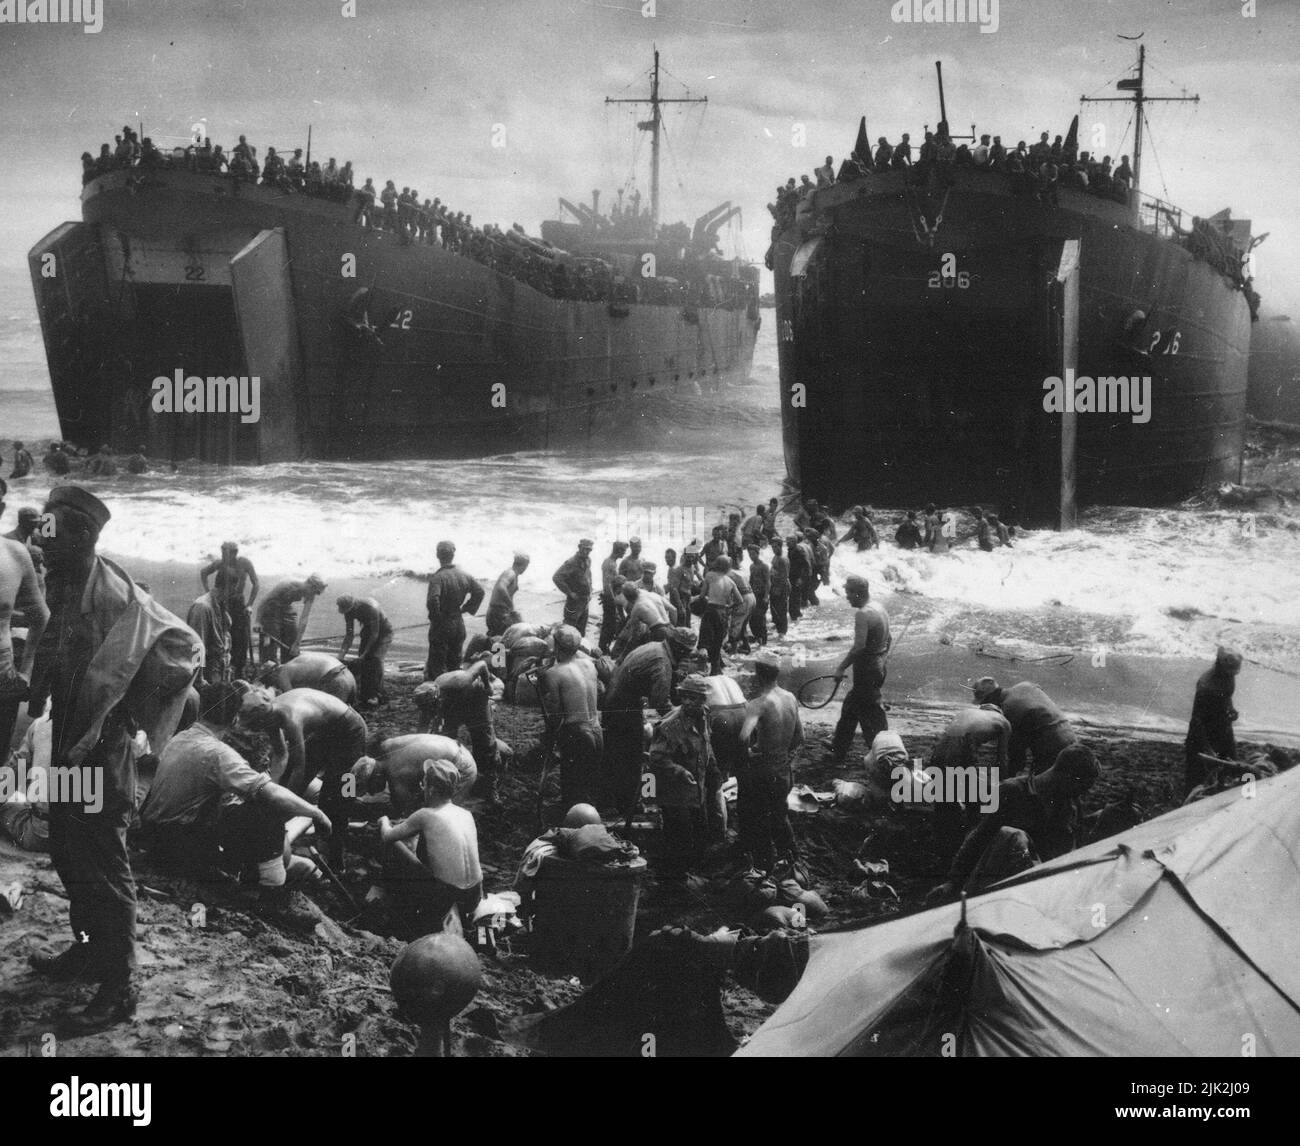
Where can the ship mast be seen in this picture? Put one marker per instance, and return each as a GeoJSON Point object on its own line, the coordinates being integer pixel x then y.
{"type": "Point", "coordinates": [653, 125]}
{"type": "Point", "coordinates": [1140, 99]}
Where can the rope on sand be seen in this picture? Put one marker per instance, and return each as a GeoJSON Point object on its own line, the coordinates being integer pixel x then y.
{"type": "Point", "coordinates": [1271, 668]}
{"type": "Point", "coordinates": [1059, 660]}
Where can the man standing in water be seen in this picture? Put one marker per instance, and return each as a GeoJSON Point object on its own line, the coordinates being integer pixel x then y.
{"type": "Point", "coordinates": [870, 651]}
{"type": "Point", "coordinates": [780, 587]}
{"type": "Point", "coordinates": [799, 574]}
{"type": "Point", "coordinates": [118, 661]}
{"type": "Point", "coordinates": [936, 540]}
{"type": "Point", "coordinates": [102, 464]}
{"type": "Point", "coordinates": [908, 535]}
{"type": "Point", "coordinates": [453, 594]}
{"type": "Point", "coordinates": [55, 460]}
{"type": "Point", "coordinates": [573, 579]}
{"type": "Point", "coordinates": [233, 573]}
{"type": "Point", "coordinates": [22, 462]}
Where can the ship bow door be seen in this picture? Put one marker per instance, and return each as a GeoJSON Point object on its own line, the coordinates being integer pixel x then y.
{"type": "Point", "coordinates": [1052, 502]}
{"type": "Point", "coordinates": [268, 331]}
{"type": "Point", "coordinates": [77, 316]}
{"type": "Point", "coordinates": [803, 350]}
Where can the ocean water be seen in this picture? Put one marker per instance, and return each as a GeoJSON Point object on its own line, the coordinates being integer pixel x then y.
{"type": "Point", "coordinates": [26, 404]}
{"type": "Point", "coordinates": [1151, 582]}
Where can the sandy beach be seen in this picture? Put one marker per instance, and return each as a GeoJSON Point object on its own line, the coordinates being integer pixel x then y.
{"type": "Point", "coordinates": [237, 986]}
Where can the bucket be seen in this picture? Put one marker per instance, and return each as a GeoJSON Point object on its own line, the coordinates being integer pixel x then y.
{"type": "Point", "coordinates": [584, 915]}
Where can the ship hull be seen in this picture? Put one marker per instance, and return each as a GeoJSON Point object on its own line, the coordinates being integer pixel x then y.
{"type": "Point", "coordinates": [919, 326]}
{"type": "Point", "coordinates": [1274, 376]}
{"type": "Point", "coordinates": [364, 346]}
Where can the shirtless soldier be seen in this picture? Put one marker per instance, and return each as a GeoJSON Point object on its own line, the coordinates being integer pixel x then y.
{"type": "Point", "coordinates": [21, 600]}
{"type": "Point", "coordinates": [868, 658]}
{"type": "Point", "coordinates": [233, 574]}
{"type": "Point", "coordinates": [501, 613]}
{"type": "Point", "coordinates": [764, 780]}
{"type": "Point", "coordinates": [398, 762]}
{"type": "Point", "coordinates": [569, 692]}
{"type": "Point", "coordinates": [376, 637]}
{"type": "Point", "coordinates": [647, 620]}
{"type": "Point", "coordinates": [312, 733]}
{"type": "Point", "coordinates": [610, 609]}
{"type": "Point", "coordinates": [464, 697]}
{"type": "Point", "coordinates": [281, 626]}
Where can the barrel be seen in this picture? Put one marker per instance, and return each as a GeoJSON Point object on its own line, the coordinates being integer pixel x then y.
{"type": "Point", "coordinates": [584, 915]}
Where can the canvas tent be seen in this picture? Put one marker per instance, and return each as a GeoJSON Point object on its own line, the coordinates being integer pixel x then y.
{"type": "Point", "coordinates": [1178, 937]}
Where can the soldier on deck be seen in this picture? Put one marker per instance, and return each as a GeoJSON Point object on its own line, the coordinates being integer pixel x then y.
{"type": "Point", "coordinates": [388, 197]}
{"type": "Point", "coordinates": [365, 205]}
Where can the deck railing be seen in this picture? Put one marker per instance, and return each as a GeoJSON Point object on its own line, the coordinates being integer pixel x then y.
{"type": "Point", "coordinates": [1157, 217]}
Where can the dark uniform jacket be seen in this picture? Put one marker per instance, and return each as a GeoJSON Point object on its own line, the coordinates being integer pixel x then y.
{"type": "Point", "coordinates": [677, 741]}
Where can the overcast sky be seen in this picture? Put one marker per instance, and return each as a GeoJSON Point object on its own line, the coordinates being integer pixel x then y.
{"type": "Point", "coordinates": [411, 90]}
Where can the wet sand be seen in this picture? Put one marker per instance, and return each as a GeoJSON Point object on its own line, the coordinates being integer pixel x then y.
{"type": "Point", "coordinates": [1124, 694]}
{"type": "Point", "coordinates": [238, 986]}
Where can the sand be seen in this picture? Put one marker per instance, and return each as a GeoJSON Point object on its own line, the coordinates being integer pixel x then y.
{"type": "Point", "coordinates": [236, 986]}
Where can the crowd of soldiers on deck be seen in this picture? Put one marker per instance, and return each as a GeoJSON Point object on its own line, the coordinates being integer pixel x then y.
{"type": "Point", "coordinates": [1039, 169]}
{"type": "Point", "coordinates": [531, 261]}
{"type": "Point", "coordinates": [292, 175]}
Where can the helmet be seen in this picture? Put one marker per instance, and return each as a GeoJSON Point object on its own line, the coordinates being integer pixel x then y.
{"type": "Point", "coordinates": [580, 815]}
